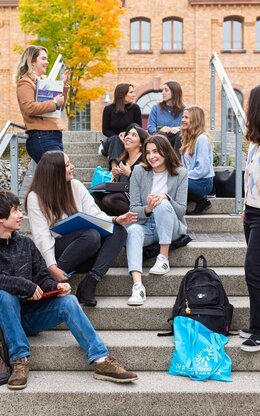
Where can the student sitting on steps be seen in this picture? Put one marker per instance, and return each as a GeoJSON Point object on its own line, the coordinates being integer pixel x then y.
{"type": "Point", "coordinates": [24, 274]}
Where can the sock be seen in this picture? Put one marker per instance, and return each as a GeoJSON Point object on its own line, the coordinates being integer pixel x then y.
{"type": "Point", "coordinates": [101, 359]}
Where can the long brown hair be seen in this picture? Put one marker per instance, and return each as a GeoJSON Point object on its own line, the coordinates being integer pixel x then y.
{"type": "Point", "coordinates": [196, 127]}
{"type": "Point", "coordinates": [253, 116]}
{"type": "Point", "coordinates": [177, 100]}
{"type": "Point", "coordinates": [53, 191]}
{"type": "Point", "coordinates": [165, 149]}
{"type": "Point", "coordinates": [119, 97]}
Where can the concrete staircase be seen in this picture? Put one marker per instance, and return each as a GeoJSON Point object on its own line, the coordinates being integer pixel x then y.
{"type": "Point", "coordinates": [59, 384]}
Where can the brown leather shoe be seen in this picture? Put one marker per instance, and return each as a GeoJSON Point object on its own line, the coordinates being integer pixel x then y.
{"type": "Point", "coordinates": [19, 376]}
{"type": "Point", "coordinates": [111, 370]}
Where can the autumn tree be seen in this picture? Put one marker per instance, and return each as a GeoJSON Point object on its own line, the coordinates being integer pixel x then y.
{"type": "Point", "coordinates": [83, 31]}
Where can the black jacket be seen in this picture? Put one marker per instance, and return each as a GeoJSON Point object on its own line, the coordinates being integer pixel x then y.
{"type": "Point", "coordinates": [22, 267]}
{"type": "Point", "coordinates": [114, 123]}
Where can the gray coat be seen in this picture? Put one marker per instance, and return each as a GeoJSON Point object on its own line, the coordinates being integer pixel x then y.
{"type": "Point", "coordinates": [141, 185]}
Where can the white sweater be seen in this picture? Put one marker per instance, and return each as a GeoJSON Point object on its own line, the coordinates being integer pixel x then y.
{"type": "Point", "coordinates": [42, 236]}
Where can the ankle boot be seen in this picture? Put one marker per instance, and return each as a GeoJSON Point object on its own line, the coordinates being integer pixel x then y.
{"type": "Point", "coordinates": [86, 290]}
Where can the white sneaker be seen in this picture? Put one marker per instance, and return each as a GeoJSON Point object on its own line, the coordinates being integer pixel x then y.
{"type": "Point", "coordinates": [138, 295]}
{"type": "Point", "coordinates": [100, 150]}
{"type": "Point", "coordinates": [161, 266]}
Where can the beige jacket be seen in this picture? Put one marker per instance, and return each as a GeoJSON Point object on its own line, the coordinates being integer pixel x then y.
{"type": "Point", "coordinates": [31, 109]}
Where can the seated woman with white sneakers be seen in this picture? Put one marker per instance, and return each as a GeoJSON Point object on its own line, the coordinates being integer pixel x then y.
{"type": "Point", "coordinates": [158, 193]}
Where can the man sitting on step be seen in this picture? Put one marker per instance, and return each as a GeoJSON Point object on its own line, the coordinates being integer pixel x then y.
{"type": "Point", "coordinates": [23, 274]}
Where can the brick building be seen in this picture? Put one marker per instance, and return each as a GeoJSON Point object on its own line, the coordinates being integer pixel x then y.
{"type": "Point", "coordinates": [161, 41]}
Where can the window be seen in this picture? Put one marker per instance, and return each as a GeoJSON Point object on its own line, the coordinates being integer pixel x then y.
{"type": "Point", "coordinates": [140, 34]}
{"type": "Point", "coordinates": [172, 34]}
{"type": "Point", "coordinates": [81, 120]}
{"type": "Point", "coordinates": [231, 118]}
{"type": "Point", "coordinates": [146, 102]}
{"type": "Point", "coordinates": [232, 33]}
{"type": "Point", "coordinates": [257, 34]}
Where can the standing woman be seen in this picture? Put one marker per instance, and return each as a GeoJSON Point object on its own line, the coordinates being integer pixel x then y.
{"type": "Point", "coordinates": [166, 116]}
{"type": "Point", "coordinates": [197, 156]}
{"type": "Point", "coordinates": [117, 203]}
{"type": "Point", "coordinates": [54, 195]}
{"type": "Point", "coordinates": [44, 132]}
{"type": "Point", "coordinates": [251, 217]}
{"type": "Point", "coordinates": [116, 118]}
{"type": "Point", "coordinates": [158, 193]}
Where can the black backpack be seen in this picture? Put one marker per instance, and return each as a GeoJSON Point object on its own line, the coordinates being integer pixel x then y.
{"type": "Point", "coordinates": [5, 368]}
{"type": "Point", "coordinates": [202, 297]}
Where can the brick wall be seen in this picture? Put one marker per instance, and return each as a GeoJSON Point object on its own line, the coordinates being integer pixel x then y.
{"type": "Point", "coordinates": [202, 34]}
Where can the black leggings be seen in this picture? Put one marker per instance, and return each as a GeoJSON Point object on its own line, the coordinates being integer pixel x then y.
{"type": "Point", "coordinates": [252, 265]}
{"type": "Point", "coordinates": [85, 250]}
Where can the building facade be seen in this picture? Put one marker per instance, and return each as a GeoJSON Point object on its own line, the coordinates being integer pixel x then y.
{"type": "Point", "coordinates": [161, 41]}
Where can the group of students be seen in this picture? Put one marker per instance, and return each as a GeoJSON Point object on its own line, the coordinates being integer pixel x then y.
{"type": "Point", "coordinates": [160, 185]}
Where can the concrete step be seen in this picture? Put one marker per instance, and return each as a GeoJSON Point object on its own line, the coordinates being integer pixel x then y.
{"type": "Point", "coordinates": [117, 282]}
{"type": "Point", "coordinates": [81, 148]}
{"type": "Point", "coordinates": [155, 393]}
{"type": "Point", "coordinates": [113, 313]}
{"type": "Point", "coordinates": [140, 351]}
{"type": "Point", "coordinates": [218, 254]}
{"type": "Point", "coordinates": [88, 161]}
{"type": "Point", "coordinates": [80, 136]}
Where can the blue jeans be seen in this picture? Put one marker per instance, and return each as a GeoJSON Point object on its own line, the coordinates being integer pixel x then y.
{"type": "Point", "coordinates": [40, 141]}
{"type": "Point", "coordinates": [199, 188]}
{"type": "Point", "coordinates": [28, 318]}
{"type": "Point", "coordinates": [162, 226]}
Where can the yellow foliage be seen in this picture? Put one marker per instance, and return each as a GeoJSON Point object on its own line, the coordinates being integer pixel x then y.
{"type": "Point", "coordinates": [83, 31]}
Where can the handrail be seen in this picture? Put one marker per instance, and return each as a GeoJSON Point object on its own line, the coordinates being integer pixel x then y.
{"type": "Point", "coordinates": [12, 139]}
{"type": "Point", "coordinates": [57, 66]}
{"type": "Point", "coordinates": [231, 95]}
{"type": "Point", "coordinates": [227, 92]}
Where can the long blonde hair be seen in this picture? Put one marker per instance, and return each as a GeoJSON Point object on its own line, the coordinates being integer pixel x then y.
{"type": "Point", "coordinates": [196, 127]}
{"type": "Point", "coordinates": [25, 66]}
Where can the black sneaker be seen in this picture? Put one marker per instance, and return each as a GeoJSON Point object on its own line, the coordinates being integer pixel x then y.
{"type": "Point", "coordinates": [252, 344]}
{"type": "Point", "coordinates": [201, 206]}
{"type": "Point", "coordinates": [244, 333]}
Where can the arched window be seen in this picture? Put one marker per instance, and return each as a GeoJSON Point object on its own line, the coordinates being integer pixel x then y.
{"type": "Point", "coordinates": [233, 33]}
{"type": "Point", "coordinates": [146, 102]}
{"type": "Point", "coordinates": [257, 34]}
{"type": "Point", "coordinates": [140, 34]}
{"type": "Point", "coordinates": [172, 34]}
{"type": "Point", "coordinates": [230, 113]}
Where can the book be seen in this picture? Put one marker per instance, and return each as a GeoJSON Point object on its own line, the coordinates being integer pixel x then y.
{"type": "Point", "coordinates": [46, 90]}
{"type": "Point", "coordinates": [109, 187]}
{"type": "Point", "coordinates": [45, 295]}
{"type": "Point", "coordinates": [81, 221]}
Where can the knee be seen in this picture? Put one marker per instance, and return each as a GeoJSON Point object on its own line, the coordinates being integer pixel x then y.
{"type": "Point", "coordinates": [163, 207]}
{"type": "Point", "coordinates": [69, 303]}
{"type": "Point", "coordinates": [93, 236]}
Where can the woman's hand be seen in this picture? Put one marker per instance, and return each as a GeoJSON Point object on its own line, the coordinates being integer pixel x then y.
{"type": "Point", "coordinates": [122, 136]}
{"type": "Point", "coordinates": [125, 169]}
{"type": "Point", "coordinates": [174, 130]}
{"type": "Point", "coordinates": [66, 76]}
{"type": "Point", "coordinates": [65, 288]}
{"type": "Point", "coordinates": [60, 100]}
{"type": "Point", "coordinates": [128, 218]}
{"type": "Point", "coordinates": [116, 172]}
{"type": "Point", "coordinates": [165, 129]}
{"type": "Point", "coordinates": [155, 199]}
{"type": "Point", "coordinates": [58, 274]}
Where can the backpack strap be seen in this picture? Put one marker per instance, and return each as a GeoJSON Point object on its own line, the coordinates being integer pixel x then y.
{"type": "Point", "coordinates": [204, 262]}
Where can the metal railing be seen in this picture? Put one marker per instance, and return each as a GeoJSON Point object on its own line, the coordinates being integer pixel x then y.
{"type": "Point", "coordinates": [12, 137]}
{"type": "Point", "coordinates": [228, 93]}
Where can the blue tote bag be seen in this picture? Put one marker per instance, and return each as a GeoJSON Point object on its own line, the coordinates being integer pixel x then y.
{"type": "Point", "coordinates": [100, 175]}
{"type": "Point", "coordinates": [199, 353]}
